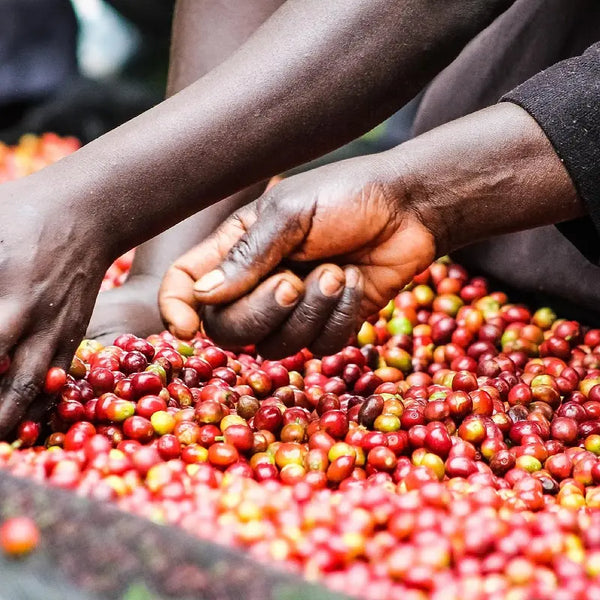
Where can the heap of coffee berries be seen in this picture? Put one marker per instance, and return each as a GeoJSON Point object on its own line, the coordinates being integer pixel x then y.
{"type": "Point", "coordinates": [451, 452]}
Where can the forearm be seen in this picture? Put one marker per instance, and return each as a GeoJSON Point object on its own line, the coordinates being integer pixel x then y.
{"type": "Point", "coordinates": [313, 77]}
{"type": "Point", "coordinates": [486, 174]}
{"type": "Point", "coordinates": [205, 33]}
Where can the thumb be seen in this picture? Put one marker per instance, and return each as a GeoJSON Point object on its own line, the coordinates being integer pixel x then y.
{"type": "Point", "coordinates": [176, 301]}
{"type": "Point", "coordinates": [273, 232]}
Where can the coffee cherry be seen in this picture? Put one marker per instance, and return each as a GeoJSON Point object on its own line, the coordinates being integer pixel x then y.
{"type": "Point", "coordinates": [19, 536]}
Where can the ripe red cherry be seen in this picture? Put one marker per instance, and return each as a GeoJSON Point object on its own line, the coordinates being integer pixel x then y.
{"type": "Point", "coordinates": [202, 367]}
{"type": "Point", "coordinates": [95, 445]}
{"type": "Point", "coordinates": [172, 356]}
{"type": "Point", "coordinates": [260, 383]}
{"type": "Point", "coordinates": [438, 441]}
{"type": "Point", "coordinates": [78, 435]}
{"type": "Point", "coordinates": [464, 381]}
{"type": "Point", "coordinates": [145, 457]}
{"type": "Point", "coordinates": [269, 418]}
{"type": "Point", "coordinates": [459, 404]}
{"type": "Point", "coordinates": [335, 423]}
{"type": "Point", "coordinates": [482, 403]}
{"type": "Point", "coordinates": [382, 458]}
{"type": "Point", "coordinates": [145, 384]}
{"type": "Point", "coordinates": [133, 362]}
{"type": "Point", "coordinates": [168, 446]}
{"type": "Point", "coordinates": [240, 436]}
{"type": "Point", "coordinates": [19, 536]}
{"type": "Point", "coordinates": [140, 345]}
{"type": "Point", "coordinates": [70, 412]}
{"type": "Point", "coordinates": [214, 356]}
{"type": "Point", "coordinates": [222, 454]}
{"type": "Point", "coordinates": [55, 379]}
{"type": "Point", "coordinates": [208, 435]}
{"type": "Point", "coordinates": [146, 406]}
{"type": "Point", "coordinates": [28, 433]}
{"type": "Point", "coordinates": [333, 365]}
{"type": "Point", "coordinates": [564, 430]}
{"type": "Point", "coordinates": [138, 428]}
{"type": "Point", "coordinates": [520, 394]}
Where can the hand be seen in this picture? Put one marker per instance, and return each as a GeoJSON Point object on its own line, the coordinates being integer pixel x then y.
{"type": "Point", "coordinates": [51, 267]}
{"type": "Point", "coordinates": [353, 217]}
{"type": "Point", "coordinates": [130, 308]}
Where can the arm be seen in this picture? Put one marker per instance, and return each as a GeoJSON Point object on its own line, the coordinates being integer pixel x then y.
{"type": "Point", "coordinates": [489, 173]}
{"type": "Point", "coordinates": [205, 33]}
{"type": "Point", "coordinates": [272, 105]}
{"type": "Point", "coordinates": [314, 76]}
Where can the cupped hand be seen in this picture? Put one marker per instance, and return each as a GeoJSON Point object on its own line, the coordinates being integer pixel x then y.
{"type": "Point", "coordinates": [51, 267]}
{"type": "Point", "coordinates": [304, 264]}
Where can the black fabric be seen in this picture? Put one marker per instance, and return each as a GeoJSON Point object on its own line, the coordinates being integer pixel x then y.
{"type": "Point", "coordinates": [38, 43]}
{"type": "Point", "coordinates": [528, 38]}
{"type": "Point", "coordinates": [565, 101]}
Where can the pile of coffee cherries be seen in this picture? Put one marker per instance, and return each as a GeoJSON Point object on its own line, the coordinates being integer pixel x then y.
{"type": "Point", "coordinates": [451, 452]}
{"type": "Point", "coordinates": [33, 153]}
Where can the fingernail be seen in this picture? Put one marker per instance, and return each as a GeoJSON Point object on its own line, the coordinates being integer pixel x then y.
{"type": "Point", "coordinates": [286, 294]}
{"type": "Point", "coordinates": [210, 281]}
{"type": "Point", "coordinates": [330, 283]}
{"type": "Point", "coordinates": [352, 277]}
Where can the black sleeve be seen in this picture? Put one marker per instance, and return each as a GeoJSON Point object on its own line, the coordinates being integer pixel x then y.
{"type": "Point", "coordinates": [565, 101]}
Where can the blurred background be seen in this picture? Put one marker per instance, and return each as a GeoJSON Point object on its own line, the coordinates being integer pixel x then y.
{"type": "Point", "coordinates": [80, 67]}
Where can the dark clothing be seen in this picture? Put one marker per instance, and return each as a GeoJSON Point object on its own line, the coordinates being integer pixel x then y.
{"type": "Point", "coordinates": [38, 43]}
{"type": "Point", "coordinates": [41, 88]}
{"type": "Point", "coordinates": [565, 101]}
{"type": "Point", "coordinates": [528, 38]}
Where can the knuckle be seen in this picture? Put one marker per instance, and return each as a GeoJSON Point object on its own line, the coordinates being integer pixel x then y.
{"type": "Point", "coordinates": [242, 252]}
{"type": "Point", "coordinates": [344, 315]}
{"type": "Point", "coordinates": [309, 315]}
{"type": "Point", "coordinates": [25, 389]}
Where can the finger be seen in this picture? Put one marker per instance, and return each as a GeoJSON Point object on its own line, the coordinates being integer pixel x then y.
{"type": "Point", "coordinates": [23, 383]}
{"type": "Point", "coordinates": [344, 318]}
{"type": "Point", "coordinates": [324, 287]}
{"type": "Point", "coordinates": [12, 322]}
{"type": "Point", "coordinates": [38, 410]}
{"type": "Point", "coordinates": [256, 253]}
{"type": "Point", "coordinates": [65, 353]}
{"type": "Point", "coordinates": [208, 255]}
{"type": "Point", "coordinates": [176, 297]}
{"type": "Point", "coordinates": [254, 316]}
{"type": "Point", "coordinates": [273, 182]}
{"type": "Point", "coordinates": [177, 303]}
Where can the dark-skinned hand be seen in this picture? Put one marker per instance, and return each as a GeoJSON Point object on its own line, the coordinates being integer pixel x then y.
{"type": "Point", "coordinates": [255, 279]}
{"type": "Point", "coordinates": [130, 308]}
{"type": "Point", "coordinates": [50, 271]}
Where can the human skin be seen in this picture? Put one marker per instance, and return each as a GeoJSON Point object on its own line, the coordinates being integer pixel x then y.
{"type": "Point", "coordinates": [205, 33]}
{"type": "Point", "coordinates": [373, 223]}
{"type": "Point", "coordinates": [313, 77]}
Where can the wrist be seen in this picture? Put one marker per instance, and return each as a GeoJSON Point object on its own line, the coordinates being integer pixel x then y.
{"type": "Point", "coordinates": [61, 217]}
{"type": "Point", "coordinates": [409, 184]}
{"type": "Point", "coordinates": [490, 173]}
